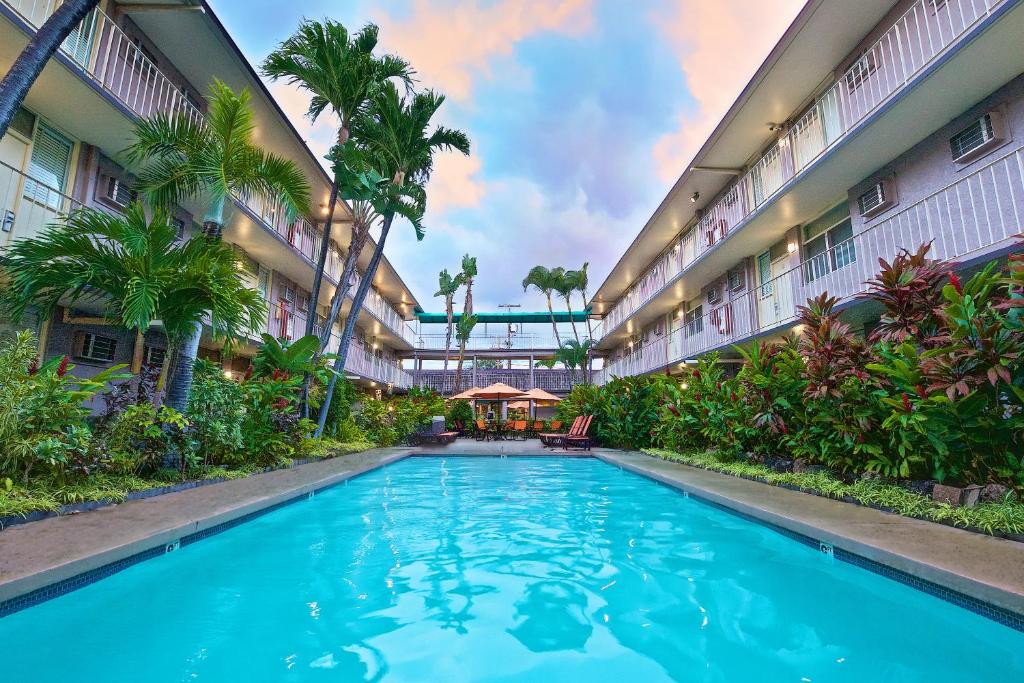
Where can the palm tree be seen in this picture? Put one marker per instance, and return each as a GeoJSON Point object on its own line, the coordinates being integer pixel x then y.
{"type": "Point", "coordinates": [32, 60]}
{"type": "Point", "coordinates": [394, 134]}
{"type": "Point", "coordinates": [468, 273]}
{"type": "Point", "coordinates": [463, 330]}
{"type": "Point", "coordinates": [564, 283]}
{"type": "Point", "coordinates": [542, 279]}
{"type": "Point", "coordinates": [448, 286]}
{"type": "Point", "coordinates": [573, 354]}
{"type": "Point", "coordinates": [340, 72]}
{"type": "Point", "coordinates": [138, 272]}
{"type": "Point", "coordinates": [215, 159]}
{"type": "Point", "coordinates": [580, 281]}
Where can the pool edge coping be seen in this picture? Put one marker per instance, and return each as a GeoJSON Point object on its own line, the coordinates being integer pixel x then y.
{"type": "Point", "coordinates": [25, 591]}
{"type": "Point", "coordinates": [986, 599]}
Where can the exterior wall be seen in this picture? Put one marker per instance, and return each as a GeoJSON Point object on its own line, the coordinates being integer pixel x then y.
{"type": "Point", "coordinates": [929, 167]}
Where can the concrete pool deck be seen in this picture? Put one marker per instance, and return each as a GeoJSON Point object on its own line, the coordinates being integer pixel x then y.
{"type": "Point", "coordinates": [43, 553]}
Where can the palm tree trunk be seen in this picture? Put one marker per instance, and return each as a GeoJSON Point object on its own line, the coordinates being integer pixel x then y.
{"type": "Point", "coordinates": [554, 325]}
{"type": "Point", "coordinates": [458, 369]}
{"type": "Point", "coordinates": [568, 305]}
{"type": "Point", "coordinates": [448, 334]}
{"type": "Point", "coordinates": [314, 297]}
{"type": "Point", "coordinates": [355, 247]}
{"type": "Point", "coordinates": [350, 322]}
{"type": "Point", "coordinates": [30, 63]}
{"type": "Point", "coordinates": [181, 380]}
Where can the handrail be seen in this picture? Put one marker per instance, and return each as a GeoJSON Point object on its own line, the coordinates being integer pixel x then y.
{"type": "Point", "coordinates": [912, 43]}
{"type": "Point", "coordinates": [966, 217]}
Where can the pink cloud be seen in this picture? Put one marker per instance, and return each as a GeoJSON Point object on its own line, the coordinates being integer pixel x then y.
{"type": "Point", "coordinates": [452, 47]}
{"type": "Point", "coordinates": [719, 46]}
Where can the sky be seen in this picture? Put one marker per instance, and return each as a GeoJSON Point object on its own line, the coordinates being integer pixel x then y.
{"type": "Point", "coordinates": [581, 113]}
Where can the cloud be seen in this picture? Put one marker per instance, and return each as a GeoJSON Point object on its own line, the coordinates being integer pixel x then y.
{"type": "Point", "coordinates": [455, 182]}
{"type": "Point", "coordinates": [719, 46]}
{"type": "Point", "coordinates": [454, 46]}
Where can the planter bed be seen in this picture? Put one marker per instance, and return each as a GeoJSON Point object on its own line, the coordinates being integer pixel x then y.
{"type": "Point", "coordinates": [969, 519]}
{"type": "Point", "coordinates": [161, 487]}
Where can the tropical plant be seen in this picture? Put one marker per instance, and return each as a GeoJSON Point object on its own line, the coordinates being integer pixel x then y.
{"type": "Point", "coordinates": [216, 411]}
{"type": "Point", "coordinates": [294, 357]}
{"type": "Point", "coordinates": [909, 290]}
{"type": "Point", "coordinates": [137, 271]}
{"type": "Point", "coordinates": [460, 412]}
{"type": "Point", "coordinates": [213, 159]}
{"type": "Point", "coordinates": [42, 409]}
{"type": "Point", "coordinates": [448, 287]}
{"type": "Point", "coordinates": [138, 439]}
{"type": "Point", "coordinates": [394, 134]}
{"type": "Point", "coordinates": [564, 282]}
{"type": "Point", "coordinates": [33, 58]}
{"type": "Point", "coordinates": [573, 355]}
{"type": "Point", "coordinates": [463, 331]}
{"type": "Point", "coordinates": [544, 281]}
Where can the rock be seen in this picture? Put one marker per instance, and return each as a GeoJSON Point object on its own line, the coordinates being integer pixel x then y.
{"type": "Point", "coordinates": [993, 493]}
{"type": "Point", "coordinates": [921, 486]}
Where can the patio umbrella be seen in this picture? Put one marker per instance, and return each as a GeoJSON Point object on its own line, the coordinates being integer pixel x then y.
{"type": "Point", "coordinates": [497, 392]}
{"type": "Point", "coordinates": [539, 396]}
{"type": "Point", "coordinates": [467, 395]}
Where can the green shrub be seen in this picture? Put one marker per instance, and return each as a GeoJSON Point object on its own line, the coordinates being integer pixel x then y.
{"type": "Point", "coordinates": [460, 411]}
{"type": "Point", "coordinates": [137, 440]}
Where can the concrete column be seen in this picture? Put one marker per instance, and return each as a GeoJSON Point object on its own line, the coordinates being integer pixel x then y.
{"type": "Point", "coordinates": [474, 372]}
{"type": "Point", "coordinates": [533, 379]}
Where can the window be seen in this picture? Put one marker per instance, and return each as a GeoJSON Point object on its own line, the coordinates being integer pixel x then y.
{"type": "Point", "coordinates": [24, 122]}
{"type": "Point", "coordinates": [764, 273]}
{"type": "Point", "coordinates": [861, 69]}
{"type": "Point", "coordinates": [48, 169]}
{"type": "Point", "coordinates": [89, 346]}
{"type": "Point", "coordinates": [975, 139]}
{"type": "Point", "coordinates": [693, 321]}
{"type": "Point", "coordinates": [143, 60]}
{"type": "Point", "coordinates": [78, 44]}
{"type": "Point", "coordinates": [151, 355]}
{"type": "Point", "coordinates": [829, 249]}
{"type": "Point", "coordinates": [289, 294]}
{"type": "Point", "coordinates": [302, 302]}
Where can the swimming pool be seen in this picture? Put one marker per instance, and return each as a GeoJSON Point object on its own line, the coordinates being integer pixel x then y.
{"type": "Point", "coordinates": [490, 569]}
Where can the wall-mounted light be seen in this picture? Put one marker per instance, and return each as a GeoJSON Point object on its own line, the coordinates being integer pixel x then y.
{"type": "Point", "coordinates": [694, 197]}
{"type": "Point", "coordinates": [791, 247]}
{"type": "Point", "coordinates": [684, 386]}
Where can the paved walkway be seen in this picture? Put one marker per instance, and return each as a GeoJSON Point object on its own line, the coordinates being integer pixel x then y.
{"type": "Point", "coordinates": [984, 567]}
{"type": "Point", "coordinates": [42, 553]}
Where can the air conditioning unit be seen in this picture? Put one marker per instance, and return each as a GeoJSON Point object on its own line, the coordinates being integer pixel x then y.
{"type": "Point", "coordinates": [876, 200]}
{"type": "Point", "coordinates": [736, 279]}
{"type": "Point", "coordinates": [118, 193]}
{"type": "Point", "coordinates": [978, 138]}
{"type": "Point", "coordinates": [714, 295]}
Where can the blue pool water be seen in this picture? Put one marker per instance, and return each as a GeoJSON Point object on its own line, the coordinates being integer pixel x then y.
{"type": "Point", "coordinates": [487, 569]}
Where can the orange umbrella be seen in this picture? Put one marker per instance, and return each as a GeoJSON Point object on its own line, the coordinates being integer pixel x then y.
{"type": "Point", "coordinates": [467, 395]}
{"type": "Point", "coordinates": [497, 392]}
{"type": "Point", "coordinates": [539, 395]}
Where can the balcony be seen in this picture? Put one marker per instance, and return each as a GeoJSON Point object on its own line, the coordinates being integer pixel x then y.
{"type": "Point", "coordinates": [306, 240]}
{"type": "Point", "coordinates": [517, 342]}
{"type": "Point", "coordinates": [290, 324]}
{"type": "Point", "coordinates": [904, 51]}
{"type": "Point", "coordinates": [112, 60]}
{"type": "Point", "coordinates": [977, 214]}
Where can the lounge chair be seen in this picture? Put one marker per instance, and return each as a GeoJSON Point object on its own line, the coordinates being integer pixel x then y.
{"type": "Point", "coordinates": [537, 427]}
{"type": "Point", "coordinates": [481, 430]}
{"type": "Point", "coordinates": [555, 438]}
{"type": "Point", "coordinates": [581, 439]}
{"type": "Point", "coordinates": [519, 429]}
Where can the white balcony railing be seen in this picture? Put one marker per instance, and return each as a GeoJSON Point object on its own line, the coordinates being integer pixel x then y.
{"type": "Point", "coordinates": [979, 212]}
{"type": "Point", "coordinates": [290, 324]}
{"type": "Point", "coordinates": [912, 43]}
{"type": "Point", "coordinates": [110, 58]}
{"type": "Point", "coordinates": [517, 342]}
{"type": "Point", "coordinates": [306, 239]}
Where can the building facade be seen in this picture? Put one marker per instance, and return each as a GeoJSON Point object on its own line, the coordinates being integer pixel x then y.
{"type": "Point", "coordinates": [65, 148]}
{"type": "Point", "coordinates": [872, 127]}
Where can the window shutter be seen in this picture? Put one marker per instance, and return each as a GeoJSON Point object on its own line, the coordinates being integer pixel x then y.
{"type": "Point", "coordinates": [51, 156]}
